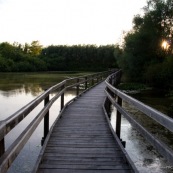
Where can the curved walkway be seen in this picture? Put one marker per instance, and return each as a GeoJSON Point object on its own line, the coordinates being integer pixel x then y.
{"type": "Point", "coordinates": [81, 140]}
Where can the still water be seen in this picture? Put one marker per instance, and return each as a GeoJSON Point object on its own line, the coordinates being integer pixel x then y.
{"type": "Point", "coordinates": [16, 90]}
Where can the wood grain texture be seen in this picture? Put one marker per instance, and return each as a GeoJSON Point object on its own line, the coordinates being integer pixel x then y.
{"type": "Point", "coordinates": [81, 141]}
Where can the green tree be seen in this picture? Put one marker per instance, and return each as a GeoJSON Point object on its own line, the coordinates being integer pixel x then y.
{"type": "Point", "coordinates": [26, 48]}
{"type": "Point", "coordinates": [35, 48]}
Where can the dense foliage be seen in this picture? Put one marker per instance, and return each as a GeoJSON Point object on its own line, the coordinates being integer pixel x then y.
{"type": "Point", "coordinates": [17, 57]}
{"type": "Point", "coordinates": [147, 53]}
{"type": "Point", "coordinates": [77, 57]}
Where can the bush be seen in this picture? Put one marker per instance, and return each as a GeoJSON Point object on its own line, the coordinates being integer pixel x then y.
{"type": "Point", "coordinates": [160, 75]}
{"type": "Point", "coordinates": [24, 67]}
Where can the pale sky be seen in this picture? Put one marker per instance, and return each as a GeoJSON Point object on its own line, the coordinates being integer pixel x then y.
{"type": "Point", "coordinates": [67, 22]}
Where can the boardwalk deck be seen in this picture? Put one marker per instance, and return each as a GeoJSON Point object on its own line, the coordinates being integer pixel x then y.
{"type": "Point", "coordinates": [81, 141]}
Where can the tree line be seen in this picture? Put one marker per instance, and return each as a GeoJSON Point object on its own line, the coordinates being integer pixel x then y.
{"type": "Point", "coordinates": [33, 57]}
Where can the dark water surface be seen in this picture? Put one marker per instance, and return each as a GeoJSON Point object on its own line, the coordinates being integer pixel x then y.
{"type": "Point", "coordinates": [16, 90]}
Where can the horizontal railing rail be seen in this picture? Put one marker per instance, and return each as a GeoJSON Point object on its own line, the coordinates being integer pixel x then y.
{"type": "Point", "coordinates": [8, 155]}
{"type": "Point", "coordinates": [115, 97]}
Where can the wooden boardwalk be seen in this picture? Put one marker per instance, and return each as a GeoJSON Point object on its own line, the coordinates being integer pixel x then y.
{"type": "Point", "coordinates": [82, 142]}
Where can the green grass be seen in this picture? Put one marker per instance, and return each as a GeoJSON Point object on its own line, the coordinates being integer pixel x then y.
{"type": "Point", "coordinates": [132, 86]}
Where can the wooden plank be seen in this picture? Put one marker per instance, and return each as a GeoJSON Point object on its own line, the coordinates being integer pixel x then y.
{"type": "Point", "coordinates": [83, 139]}
{"type": "Point", "coordinates": [99, 167]}
{"type": "Point", "coordinates": [83, 162]}
{"type": "Point", "coordinates": [82, 150]}
{"type": "Point", "coordinates": [69, 135]}
{"type": "Point", "coordinates": [81, 155]}
{"type": "Point", "coordinates": [79, 171]}
{"type": "Point", "coordinates": [74, 140]}
{"type": "Point", "coordinates": [81, 144]}
{"type": "Point", "coordinates": [87, 159]}
{"type": "Point", "coordinates": [76, 143]}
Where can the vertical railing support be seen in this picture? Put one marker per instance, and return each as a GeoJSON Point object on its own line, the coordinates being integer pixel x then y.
{"type": "Point", "coordinates": [118, 121]}
{"type": "Point", "coordinates": [77, 87]}
{"type": "Point", "coordinates": [62, 97]}
{"type": "Point", "coordinates": [46, 122]}
{"type": "Point", "coordinates": [110, 80]}
{"type": "Point", "coordinates": [92, 80]}
{"type": "Point", "coordinates": [108, 107]}
{"type": "Point", "coordinates": [2, 147]}
{"type": "Point", "coordinates": [101, 77]}
{"type": "Point", "coordinates": [86, 83]}
{"type": "Point", "coordinates": [97, 79]}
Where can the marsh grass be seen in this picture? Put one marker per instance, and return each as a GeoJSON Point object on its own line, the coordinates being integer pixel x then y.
{"type": "Point", "coordinates": [12, 81]}
{"type": "Point", "coordinates": [132, 86]}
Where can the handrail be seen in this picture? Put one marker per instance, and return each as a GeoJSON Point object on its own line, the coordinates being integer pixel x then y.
{"type": "Point", "coordinates": [8, 156]}
{"type": "Point", "coordinates": [115, 97]}
{"type": "Point", "coordinates": [161, 118]}
{"type": "Point", "coordinates": [13, 120]}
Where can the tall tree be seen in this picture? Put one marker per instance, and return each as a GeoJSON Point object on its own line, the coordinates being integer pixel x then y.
{"type": "Point", "coordinates": [35, 48]}
{"type": "Point", "coordinates": [142, 45]}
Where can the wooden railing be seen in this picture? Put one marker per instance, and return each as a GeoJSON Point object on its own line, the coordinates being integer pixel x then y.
{"type": "Point", "coordinates": [115, 97]}
{"type": "Point", "coordinates": [8, 155]}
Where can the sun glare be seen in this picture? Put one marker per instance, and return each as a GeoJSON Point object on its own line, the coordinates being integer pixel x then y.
{"type": "Point", "coordinates": [165, 45]}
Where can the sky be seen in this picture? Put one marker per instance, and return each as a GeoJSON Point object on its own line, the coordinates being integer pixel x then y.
{"type": "Point", "coordinates": [67, 22]}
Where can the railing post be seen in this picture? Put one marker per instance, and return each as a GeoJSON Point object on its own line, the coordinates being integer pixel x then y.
{"type": "Point", "coordinates": [92, 80]}
{"type": "Point", "coordinates": [108, 107]}
{"type": "Point", "coordinates": [113, 80]}
{"type": "Point", "coordinates": [110, 80]}
{"type": "Point", "coordinates": [62, 98]}
{"type": "Point", "coordinates": [118, 121]}
{"type": "Point", "coordinates": [2, 147]}
{"type": "Point", "coordinates": [97, 79]}
{"type": "Point", "coordinates": [86, 83]}
{"type": "Point", "coordinates": [46, 121]}
{"type": "Point", "coordinates": [77, 88]}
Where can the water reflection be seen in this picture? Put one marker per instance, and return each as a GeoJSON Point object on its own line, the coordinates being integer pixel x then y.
{"type": "Point", "coordinates": [16, 90]}
{"type": "Point", "coordinates": [34, 90]}
{"type": "Point", "coordinates": [145, 157]}
{"type": "Point", "coordinates": [33, 82]}
{"type": "Point", "coordinates": [27, 158]}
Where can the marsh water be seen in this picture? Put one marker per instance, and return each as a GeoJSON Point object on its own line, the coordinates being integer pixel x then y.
{"type": "Point", "coordinates": [17, 89]}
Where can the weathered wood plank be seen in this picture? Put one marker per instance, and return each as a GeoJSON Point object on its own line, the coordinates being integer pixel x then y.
{"type": "Point", "coordinates": [85, 155]}
{"type": "Point", "coordinates": [80, 171]}
{"type": "Point", "coordinates": [83, 162]}
{"type": "Point", "coordinates": [83, 150]}
{"type": "Point", "coordinates": [87, 159]}
{"type": "Point", "coordinates": [85, 167]}
{"type": "Point", "coordinates": [82, 145]}
{"type": "Point", "coordinates": [82, 140]}
{"type": "Point", "coordinates": [71, 135]}
{"type": "Point", "coordinates": [95, 143]}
